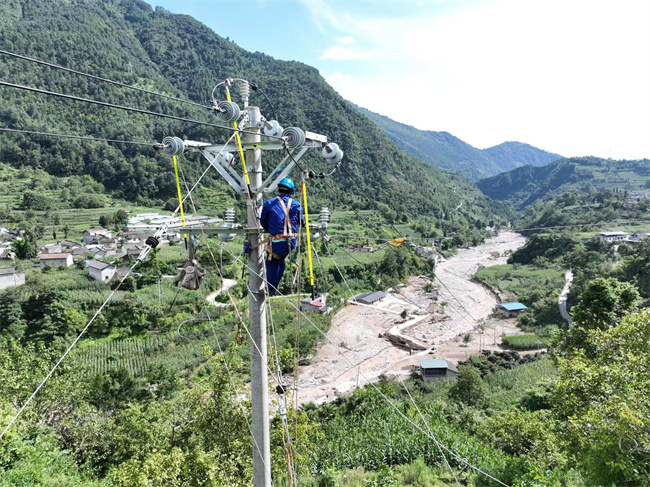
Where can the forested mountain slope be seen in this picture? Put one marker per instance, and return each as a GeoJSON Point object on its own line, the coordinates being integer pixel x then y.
{"type": "Point", "coordinates": [526, 185]}
{"type": "Point", "coordinates": [129, 41]}
{"type": "Point", "coordinates": [449, 153]}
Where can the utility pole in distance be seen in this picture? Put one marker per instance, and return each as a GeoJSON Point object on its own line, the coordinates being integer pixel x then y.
{"type": "Point", "coordinates": [295, 142]}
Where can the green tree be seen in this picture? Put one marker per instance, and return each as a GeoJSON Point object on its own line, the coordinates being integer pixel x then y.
{"type": "Point", "coordinates": [468, 388]}
{"type": "Point", "coordinates": [605, 398]}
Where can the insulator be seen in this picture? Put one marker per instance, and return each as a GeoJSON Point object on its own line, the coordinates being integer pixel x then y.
{"type": "Point", "coordinates": [324, 214]}
{"type": "Point", "coordinates": [152, 242]}
{"type": "Point", "coordinates": [339, 157]}
{"type": "Point", "coordinates": [228, 111]}
{"type": "Point", "coordinates": [244, 90]}
{"type": "Point", "coordinates": [331, 150]}
{"type": "Point", "coordinates": [230, 215]}
{"type": "Point", "coordinates": [324, 217]}
{"type": "Point", "coordinates": [173, 146]}
{"type": "Point", "coordinates": [273, 129]}
{"type": "Point", "coordinates": [229, 222]}
{"type": "Point", "coordinates": [294, 137]}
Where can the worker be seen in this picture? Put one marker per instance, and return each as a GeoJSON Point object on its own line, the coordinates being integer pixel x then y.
{"type": "Point", "coordinates": [280, 218]}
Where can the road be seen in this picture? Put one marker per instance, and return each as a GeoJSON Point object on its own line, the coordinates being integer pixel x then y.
{"type": "Point", "coordinates": [561, 301]}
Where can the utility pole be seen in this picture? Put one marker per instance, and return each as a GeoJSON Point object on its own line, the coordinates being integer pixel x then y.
{"type": "Point", "coordinates": [257, 312]}
{"type": "Point", "coordinates": [295, 142]}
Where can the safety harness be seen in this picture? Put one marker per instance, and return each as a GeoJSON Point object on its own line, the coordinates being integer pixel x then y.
{"type": "Point", "coordinates": [281, 237]}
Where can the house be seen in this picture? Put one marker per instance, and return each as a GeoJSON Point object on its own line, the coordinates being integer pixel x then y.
{"type": "Point", "coordinates": [131, 252]}
{"type": "Point", "coordinates": [370, 297]}
{"type": "Point", "coordinates": [92, 235]}
{"type": "Point", "coordinates": [55, 260]}
{"type": "Point", "coordinates": [318, 305]}
{"type": "Point", "coordinates": [642, 235]}
{"type": "Point", "coordinates": [510, 310]}
{"type": "Point", "coordinates": [437, 369]}
{"type": "Point", "coordinates": [612, 236]}
{"type": "Point", "coordinates": [54, 248]}
{"type": "Point", "coordinates": [10, 278]}
{"type": "Point", "coordinates": [101, 271]}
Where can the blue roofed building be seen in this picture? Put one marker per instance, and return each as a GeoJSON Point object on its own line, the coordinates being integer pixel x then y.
{"type": "Point", "coordinates": [510, 309]}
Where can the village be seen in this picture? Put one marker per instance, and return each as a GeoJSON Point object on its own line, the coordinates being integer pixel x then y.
{"type": "Point", "coordinates": [105, 254]}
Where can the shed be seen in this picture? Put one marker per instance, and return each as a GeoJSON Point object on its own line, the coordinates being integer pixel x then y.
{"type": "Point", "coordinates": [437, 369]}
{"type": "Point", "coordinates": [55, 260]}
{"type": "Point", "coordinates": [101, 271]}
{"type": "Point", "coordinates": [511, 309]}
{"type": "Point", "coordinates": [370, 297]}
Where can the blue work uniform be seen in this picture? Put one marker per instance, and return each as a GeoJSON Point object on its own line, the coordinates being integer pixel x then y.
{"type": "Point", "coordinates": [280, 217]}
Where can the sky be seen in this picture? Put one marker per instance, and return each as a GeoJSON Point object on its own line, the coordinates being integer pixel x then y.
{"type": "Point", "coordinates": [567, 76]}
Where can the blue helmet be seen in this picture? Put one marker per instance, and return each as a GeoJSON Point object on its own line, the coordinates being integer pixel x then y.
{"type": "Point", "coordinates": [286, 183]}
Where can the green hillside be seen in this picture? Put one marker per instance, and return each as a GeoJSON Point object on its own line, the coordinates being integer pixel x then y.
{"type": "Point", "coordinates": [524, 186]}
{"type": "Point", "coordinates": [131, 42]}
{"type": "Point", "coordinates": [449, 153]}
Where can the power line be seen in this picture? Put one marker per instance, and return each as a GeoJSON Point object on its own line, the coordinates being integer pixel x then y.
{"type": "Point", "coordinates": [99, 78]}
{"type": "Point", "coordinates": [82, 137]}
{"type": "Point", "coordinates": [386, 398]}
{"type": "Point", "coordinates": [83, 331]}
{"type": "Point", "coordinates": [122, 107]}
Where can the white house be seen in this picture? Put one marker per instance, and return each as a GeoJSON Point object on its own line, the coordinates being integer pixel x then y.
{"type": "Point", "coordinates": [93, 235]}
{"type": "Point", "coordinates": [10, 278]}
{"type": "Point", "coordinates": [612, 236]}
{"type": "Point", "coordinates": [101, 271]}
{"type": "Point", "coordinates": [55, 260]}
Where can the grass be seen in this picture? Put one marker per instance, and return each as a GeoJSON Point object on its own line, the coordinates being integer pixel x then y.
{"type": "Point", "coordinates": [516, 281]}
{"type": "Point", "coordinates": [525, 342]}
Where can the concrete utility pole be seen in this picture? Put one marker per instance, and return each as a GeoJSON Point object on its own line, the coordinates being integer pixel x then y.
{"type": "Point", "coordinates": [257, 313]}
{"type": "Point", "coordinates": [295, 142]}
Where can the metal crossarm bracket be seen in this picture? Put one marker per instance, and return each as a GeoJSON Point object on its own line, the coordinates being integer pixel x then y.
{"type": "Point", "coordinates": [277, 178]}
{"type": "Point", "coordinates": [237, 185]}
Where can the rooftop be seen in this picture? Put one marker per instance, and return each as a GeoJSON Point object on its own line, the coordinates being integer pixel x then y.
{"type": "Point", "coordinates": [370, 297]}
{"type": "Point", "coordinates": [613, 234]}
{"type": "Point", "coordinates": [53, 256]}
{"type": "Point", "coordinates": [513, 306]}
{"type": "Point", "coordinates": [436, 363]}
{"type": "Point", "coordinates": [100, 266]}
{"type": "Point", "coordinates": [7, 270]}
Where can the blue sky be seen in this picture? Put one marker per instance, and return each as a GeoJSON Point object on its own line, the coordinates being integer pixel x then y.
{"type": "Point", "coordinates": [569, 76]}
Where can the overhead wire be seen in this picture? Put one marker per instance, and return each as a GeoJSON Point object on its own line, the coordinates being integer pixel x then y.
{"type": "Point", "coordinates": [442, 453]}
{"type": "Point", "coordinates": [386, 398]}
{"type": "Point", "coordinates": [122, 107]}
{"type": "Point", "coordinates": [232, 384]}
{"type": "Point", "coordinates": [99, 78]}
{"type": "Point", "coordinates": [290, 460]}
{"type": "Point", "coordinates": [82, 137]}
{"type": "Point", "coordinates": [83, 331]}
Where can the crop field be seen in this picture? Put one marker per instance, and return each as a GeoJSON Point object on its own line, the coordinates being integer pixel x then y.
{"type": "Point", "coordinates": [517, 280]}
{"type": "Point", "coordinates": [525, 342]}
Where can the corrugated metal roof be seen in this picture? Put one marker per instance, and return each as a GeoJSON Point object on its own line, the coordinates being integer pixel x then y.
{"type": "Point", "coordinates": [436, 363]}
{"type": "Point", "coordinates": [370, 297]}
{"type": "Point", "coordinates": [95, 264]}
{"type": "Point", "coordinates": [513, 306]}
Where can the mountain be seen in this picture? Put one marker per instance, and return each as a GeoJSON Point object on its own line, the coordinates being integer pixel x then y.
{"type": "Point", "coordinates": [129, 41]}
{"type": "Point", "coordinates": [449, 153]}
{"type": "Point", "coordinates": [524, 186]}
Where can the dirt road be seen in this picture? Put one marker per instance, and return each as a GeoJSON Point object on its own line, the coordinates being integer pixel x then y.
{"type": "Point", "coordinates": [359, 332]}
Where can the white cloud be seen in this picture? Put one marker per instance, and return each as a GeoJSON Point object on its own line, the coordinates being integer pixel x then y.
{"type": "Point", "coordinates": [347, 40]}
{"type": "Point", "coordinates": [570, 77]}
